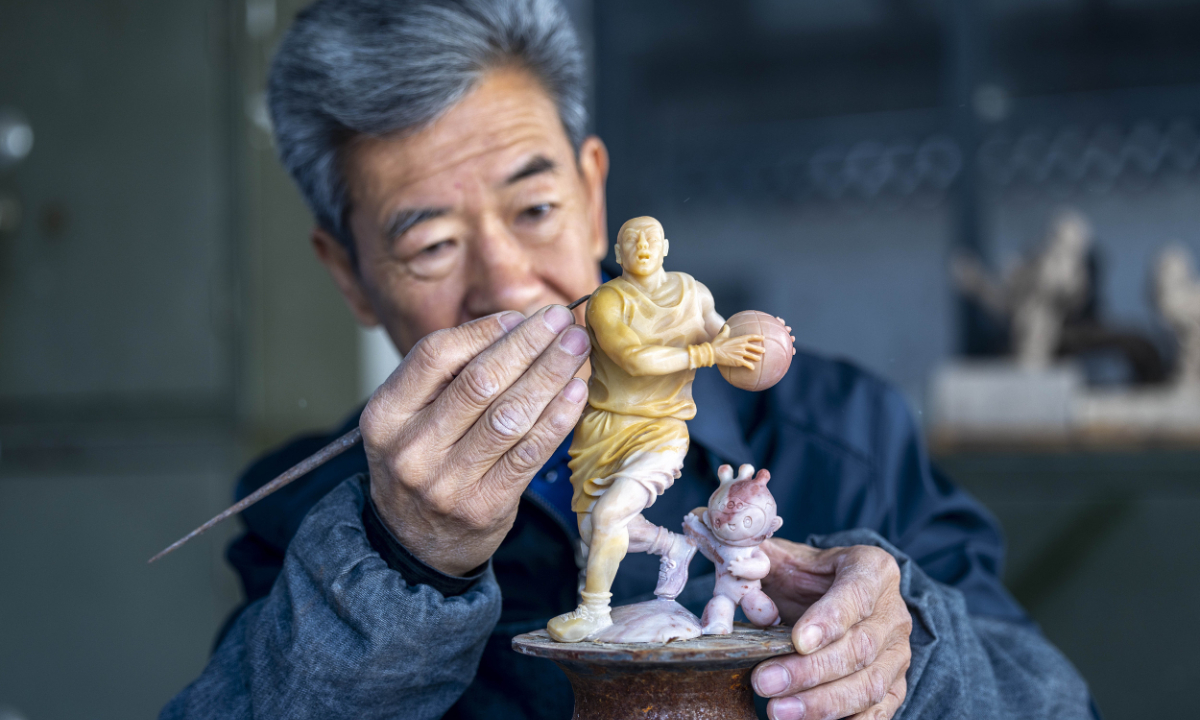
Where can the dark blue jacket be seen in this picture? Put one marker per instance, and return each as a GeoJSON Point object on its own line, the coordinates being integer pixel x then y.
{"type": "Point", "coordinates": [848, 467]}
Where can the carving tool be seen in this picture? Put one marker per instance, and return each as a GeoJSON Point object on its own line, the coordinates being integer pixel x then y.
{"type": "Point", "coordinates": [312, 462]}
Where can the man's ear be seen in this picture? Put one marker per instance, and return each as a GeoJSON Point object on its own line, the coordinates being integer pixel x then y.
{"type": "Point", "coordinates": [593, 166]}
{"type": "Point", "coordinates": [666, 247]}
{"type": "Point", "coordinates": [776, 524]}
{"type": "Point", "coordinates": [337, 261]}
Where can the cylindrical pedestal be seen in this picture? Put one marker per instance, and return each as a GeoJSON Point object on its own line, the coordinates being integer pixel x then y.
{"type": "Point", "coordinates": [708, 677]}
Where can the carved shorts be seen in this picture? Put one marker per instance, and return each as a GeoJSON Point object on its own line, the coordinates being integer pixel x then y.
{"type": "Point", "coordinates": [609, 445]}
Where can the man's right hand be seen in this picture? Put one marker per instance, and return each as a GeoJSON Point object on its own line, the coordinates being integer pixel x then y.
{"type": "Point", "coordinates": [741, 351]}
{"type": "Point", "coordinates": [458, 430]}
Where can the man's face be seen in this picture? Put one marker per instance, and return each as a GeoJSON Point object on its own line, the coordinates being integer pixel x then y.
{"type": "Point", "coordinates": [642, 248]}
{"type": "Point", "coordinates": [484, 210]}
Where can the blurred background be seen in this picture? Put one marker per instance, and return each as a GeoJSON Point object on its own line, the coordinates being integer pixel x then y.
{"type": "Point", "coordinates": [163, 320]}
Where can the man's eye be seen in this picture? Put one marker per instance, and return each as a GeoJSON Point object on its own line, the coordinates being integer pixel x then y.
{"type": "Point", "coordinates": [437, 247]}
{"type": "Point", "coordinates": [537, 212]}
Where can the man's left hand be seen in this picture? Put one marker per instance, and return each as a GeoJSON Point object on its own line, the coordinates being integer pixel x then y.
{"type": "Point", "coordinates": [850, 629]}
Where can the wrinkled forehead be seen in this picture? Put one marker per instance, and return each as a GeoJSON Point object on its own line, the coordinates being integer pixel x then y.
{"type": "Point", "coordinates": [1073, 228]}
{"type": "Point", "coordinates": [484, 139]}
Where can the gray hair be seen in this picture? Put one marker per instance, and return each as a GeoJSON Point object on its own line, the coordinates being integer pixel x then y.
{"type": "Point", "coordinates": [375, 67]}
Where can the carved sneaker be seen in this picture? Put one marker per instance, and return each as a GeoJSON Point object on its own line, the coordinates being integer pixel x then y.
{"type": "Point", "coordinates": [583, 622]}
{"type": "Point", "coordinates": [673, 567]}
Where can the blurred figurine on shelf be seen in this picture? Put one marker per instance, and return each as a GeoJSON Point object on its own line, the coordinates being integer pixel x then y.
{"type": "Point", "coordinates": [740, 516]}
{"type": "Point", "coordinates": [1039, 292]}
{"type": "Point", "coordinates": [1170, 411]}
{"type": "Point", "coordinates": [1177, 294]}
{"type": "Point", "coordinates": [650, 331]}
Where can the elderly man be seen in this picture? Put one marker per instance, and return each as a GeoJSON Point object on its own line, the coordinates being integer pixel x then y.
{"type": "Point", "coordinates": [459, 203]}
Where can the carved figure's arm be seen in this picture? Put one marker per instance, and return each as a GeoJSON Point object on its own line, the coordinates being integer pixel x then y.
{"type": "Point", "coordinates": [742, 351]}
{"type": "Point", "coordinates": [972, 278]}
{"type": "Point", "coordinates": [605, 316]}
{"type": "Point", "coordinates": [695, 529]}
{"type": "Point", "coordinates": [713, 322]}
{"type": "Point", "coordinates": [755, 567]}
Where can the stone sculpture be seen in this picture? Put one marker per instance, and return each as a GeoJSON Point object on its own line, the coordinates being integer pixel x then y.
{"type": "Point", "coordinates": [1038, 292]}
{"type": "Point", "coordinates": [1177, 295]}
{"type": "Point", "coordinates": [650, 331]}
{"type": "Point", "coordinates": [740, 516]}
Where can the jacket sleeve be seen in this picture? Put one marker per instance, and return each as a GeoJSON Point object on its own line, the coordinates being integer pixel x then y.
{"type": "Point", "coordinates": [343, 635]}
{"type": "Point", "coordinates": [970, 666]}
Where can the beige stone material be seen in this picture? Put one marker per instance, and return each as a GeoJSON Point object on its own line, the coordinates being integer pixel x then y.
{"type": "Point", "coordinates": [650, 331]}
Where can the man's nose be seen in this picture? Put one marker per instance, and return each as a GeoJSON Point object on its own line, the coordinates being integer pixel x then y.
{"type": "Point", "coordinates": [501, 274]}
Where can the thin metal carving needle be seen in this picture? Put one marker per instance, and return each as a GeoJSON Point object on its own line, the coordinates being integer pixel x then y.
{"type": "Point", "coordinates": [305, 466]}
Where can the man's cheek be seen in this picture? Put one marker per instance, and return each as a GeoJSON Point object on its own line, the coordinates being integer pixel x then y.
{"type": "Point", "coordinates": [567, 275]}
{"type": "Point", "coordinates": [413, 316]}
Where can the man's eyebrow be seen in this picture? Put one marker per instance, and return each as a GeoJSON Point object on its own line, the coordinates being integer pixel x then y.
{"type": "Point", "coordinates": [538, 164]}
{"type": "Point", "coordinates": [402, 221]}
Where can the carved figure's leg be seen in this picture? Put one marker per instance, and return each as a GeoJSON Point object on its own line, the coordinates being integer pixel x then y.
{"type": "Point", "coordinates": [651, 461]}
{"type": "Point", "coordinates": [585, 537]}
{"type": "Point", "coordinates": [607, 545]}
{"type": "Point", "coordinates": [1035, 332]}
{"type": "Point", "coordinates": [607, 528]}
{"type": "Point", "coordinates": [718, 616]}
{"type": "Point", "coordinates": [675, 550]}
{"type": "Point", "coordinates": [759, 608]}
{"type": "Point", "coordinates": [611, 518]}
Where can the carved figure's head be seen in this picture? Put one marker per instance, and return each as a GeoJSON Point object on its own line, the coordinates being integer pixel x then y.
{"type": "Point", "coordinates": [641, 246]}
{"type": "Point", "coordinates": [1173, 282]}
{"type": "Point", "coordinates": [1173, 268]}
{"type": "Point", "coordinates": [742, 512]}
{"type": "Point", "coordinates": [1071, 234]}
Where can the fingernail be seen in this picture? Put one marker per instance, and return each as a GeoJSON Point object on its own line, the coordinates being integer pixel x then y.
{"type": "Point", "coordinates": [510, 320]}
{"type": "Point", "coordinates": [787, 708]}
{"type": "Point", "coordinates": [809, 639]}
{"type": "Point", "coordinates": [575, 391]}
{"type": "Point", "coordinates": [772, 680]}
{"type": "Point", "coordinates": [574, 341]}
{"type": "Point", "coordinates": [557, 318]}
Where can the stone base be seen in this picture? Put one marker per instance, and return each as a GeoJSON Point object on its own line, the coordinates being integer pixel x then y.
{"type": "Point", "coordinates": [654, 621]}
{"type": "Point", "coordinates": [705, 678]}
{"type": "Point", "coordinates": [1170, 411]}
{"type": "Point", "coordinates": [1001, 397]}
{"type": "Point", "coordinates": [997, 404]}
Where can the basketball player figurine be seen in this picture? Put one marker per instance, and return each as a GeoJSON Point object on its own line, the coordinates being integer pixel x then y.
{"type": "Point", "coordinates": [740, 516]}
{"type": "Point", "coordinates": [650, 331]}
{"type": "Point", "coordinates": [1038, 293]}
{"type": "Point", "coordinates": [1177, 294]}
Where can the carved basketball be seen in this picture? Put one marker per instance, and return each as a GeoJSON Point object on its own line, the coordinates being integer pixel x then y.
{"type": "Point", "coordinates": [776, 360]}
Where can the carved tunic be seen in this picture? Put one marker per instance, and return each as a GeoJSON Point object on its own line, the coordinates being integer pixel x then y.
{"type": "Point", "coordinates": [626, 342]}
